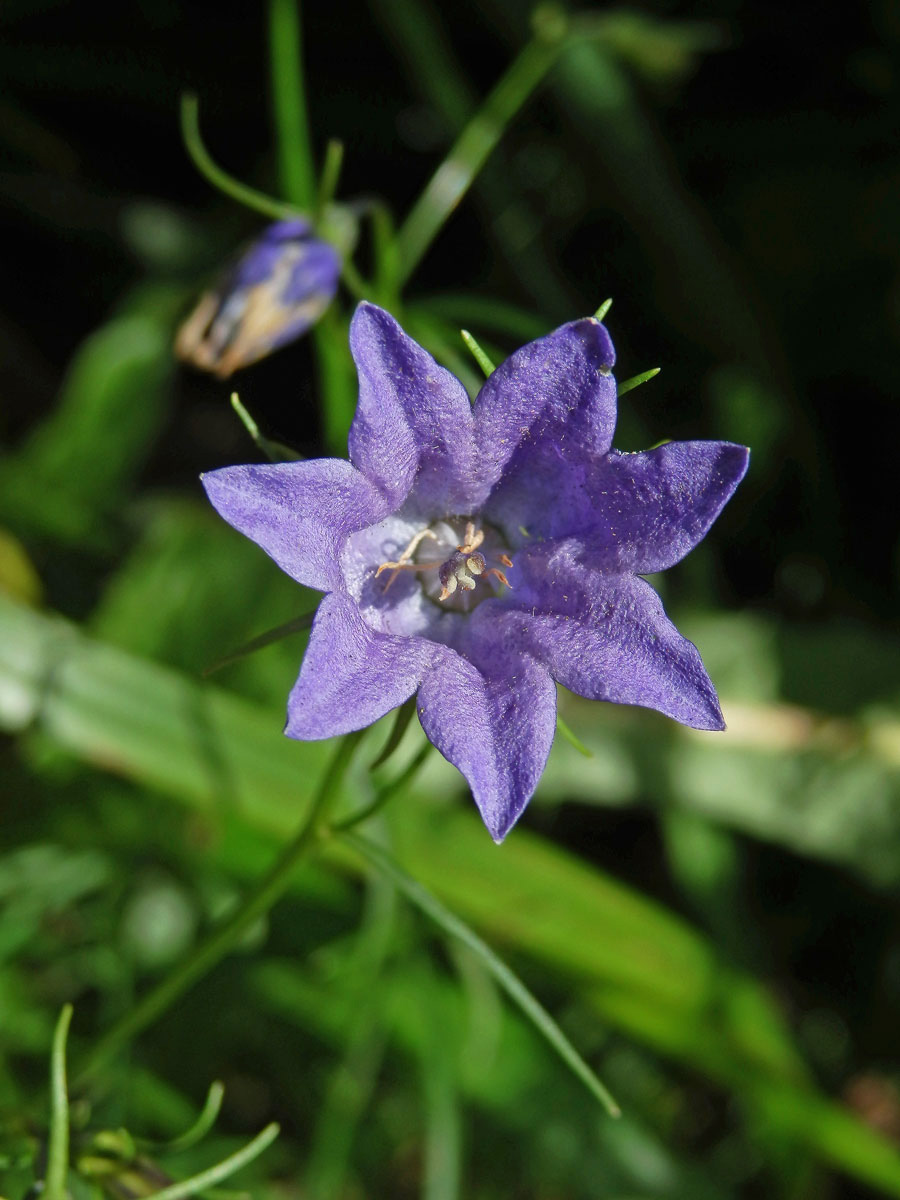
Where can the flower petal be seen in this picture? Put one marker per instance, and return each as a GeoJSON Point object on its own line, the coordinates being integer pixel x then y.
{"type": "Point", "coordinates": [413, 429]}
{"type": "Point", "coordinates": [351, 675]}
{"type": "Point", "coordinates": [605, 637]}
{"type": "Point", "coordinates": [495, 728]}
{"type": "Point", "coordinates": [551, 402]}
{"type": "Point", "coordinates": [644, 512]}
{"type": "Point", "coordinates": [299, 513]}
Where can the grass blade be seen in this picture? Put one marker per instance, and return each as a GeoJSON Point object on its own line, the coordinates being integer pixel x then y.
{"type": "Point", "coordinates": [58, 1151]}
{"type": "Point", "coordinates": [511, 984]}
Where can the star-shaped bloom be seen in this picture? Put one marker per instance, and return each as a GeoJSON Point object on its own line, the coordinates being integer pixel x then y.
{"type": "Point", "coordinates": [274, 292]}
{"type": "Point", "coordinates": [480, 554]}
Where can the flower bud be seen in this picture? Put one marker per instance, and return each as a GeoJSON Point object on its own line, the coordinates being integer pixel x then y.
{"type": "Point", "coordinates": [277, 289]}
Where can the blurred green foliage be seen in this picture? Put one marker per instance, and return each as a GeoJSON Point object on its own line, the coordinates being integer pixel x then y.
{"type": "Point", "coordinates": [712, 920]}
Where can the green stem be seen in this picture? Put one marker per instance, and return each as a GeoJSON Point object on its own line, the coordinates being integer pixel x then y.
{"type": "Point", "coordinates": [58, 1150]}
{"type": "Point", "coordinates": [296, 625]}
{"type": "Point", "coordinates": [221, 180]}
{"type": "Point", "coordinates": [385, 793]}
{"type": "Point", "coordinates": [228, 1166]}
{"type": "Point", "coordinates": [295, 161]}
{"type": "Point", "coordinates": [455, 175]}
{"type": "Point", "coordinates": [274, 451]}
{"type": "Point", "coordinates": [225, 936]}
{"type": "Point", "coordinates": [331, 173]}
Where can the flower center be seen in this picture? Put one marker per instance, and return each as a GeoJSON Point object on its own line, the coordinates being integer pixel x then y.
{"type": "Point", "coordinates": [452, 561]}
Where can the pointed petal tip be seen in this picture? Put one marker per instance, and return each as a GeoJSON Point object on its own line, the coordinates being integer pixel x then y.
{"type": "Point", "coordinates": [499, 828]}
{"type": "Point", "coordinates": [598, 334]}
{"type": "Point", "coordinates": [366, 312]}
{"type": "Point", "coordinates": [709, 719]}
{"type": "Point", "coordinates": [740, 459]}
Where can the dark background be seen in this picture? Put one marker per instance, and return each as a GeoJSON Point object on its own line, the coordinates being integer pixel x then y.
{"type": "Point", "coordinates": [780, 151]}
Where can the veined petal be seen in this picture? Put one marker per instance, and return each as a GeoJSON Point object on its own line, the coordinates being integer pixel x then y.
{"type": "Point", "coordinates": [413, 429]}
{"type": "Point", "coordinates": [603, 636]}
{"type": "Point", "coordinates": [495, 728]}
{"type": "Point", "coordinates": [299, 513]}
{"type": "Point", "coordinates": [553, 400]}
{"type": "Point", "coordinates": [646, 511]}
{"type": "Point", "coordinates": [351, 675]}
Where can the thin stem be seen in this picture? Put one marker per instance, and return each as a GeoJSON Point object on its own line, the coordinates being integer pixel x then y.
{"type": "Point", "coordinates": [228, 1166]}
{"type": "Point", "coordinates": [295, 161]}
{"type": "Point", "coordinates": [58, 1150]}
{"type": "Point", "coordinates": [199, 1129]}
{"type": "Point", "coordinates": [385, 793]}
{"type": "Point", "coordinates": [455, 175]}
{"type": "Point", "coordinates": [225, 936]}
{"type": "Point", "coordinates": [295, 625]}
{"type": "Point", "coordinates": [572, 737]}
{"type": "Point", "coordinates": [274, 451]}
{"type": "Point", "coordinates": [331, 173]}
{"type": "Point", "coordinates": [405, 714]}
{"type": "Point", "coordinates": [275, 210]}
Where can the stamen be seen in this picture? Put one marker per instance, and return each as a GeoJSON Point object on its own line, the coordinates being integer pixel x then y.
{"type": "Point", "coordinates": [500, 576]}
{"type": "Point", "coordinates": [449, 588]}
{"type": "Point", "coordinates": [403, 563]}
{"type": "Point", "coordinates": [458, 572]}
{"type": "Point", "coordinates": [472, 539]}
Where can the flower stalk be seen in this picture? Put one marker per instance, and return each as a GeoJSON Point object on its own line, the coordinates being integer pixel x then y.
{"type": "Point", "coordinates": [295, 160]}
{"type": "Point", "coordinates": [241, 193]}
{"type": "Point", "coordinates": [225, 936]}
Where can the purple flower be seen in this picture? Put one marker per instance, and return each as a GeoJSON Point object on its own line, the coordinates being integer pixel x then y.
{"type": "Point", "coordinates": [482, 554]}
{"type": "Point", "coordinates": [276, 290]}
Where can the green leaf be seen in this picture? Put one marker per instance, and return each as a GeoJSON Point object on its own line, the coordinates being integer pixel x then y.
{"type": "Point", "coordinates": [78, 466]}
{"type": "Point", "coordinates": [477, 353]}
{"type": "Point", "coordinates": [508, 981]}
{"type": "Point", "coordinates": [637, 380]}
{"type": "Point", "coordinates": [198, 1130]}
{"type": "Point", "coordinates": [641, 969]}
{"type": "Point", "coordinates": [222, 1170]}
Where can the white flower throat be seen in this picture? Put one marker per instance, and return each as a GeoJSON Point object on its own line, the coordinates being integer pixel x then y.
{"type": "Point", "coordinates": [452, 563]}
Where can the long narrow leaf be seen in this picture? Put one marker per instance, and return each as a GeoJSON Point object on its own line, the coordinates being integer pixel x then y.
{"type": "Point", "coordinates": [507, 979]}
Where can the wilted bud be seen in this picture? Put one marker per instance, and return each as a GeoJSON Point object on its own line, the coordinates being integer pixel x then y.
{"type": "Point", "coordinates": [276, 290]}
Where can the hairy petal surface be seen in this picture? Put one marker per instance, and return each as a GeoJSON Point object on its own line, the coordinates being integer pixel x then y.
{"type": "Point", "coordinates": [352, 675]}
{"type": "Point", "coordinates": [413, 429]}
{"type": "Point", "coordinates": [605, 637]}
{"type": "Point", "coordinates": [646, 511]}
{"type": "Point", "coordinates": [299, 513]}
{"type": "Point", "coordinates": [494, 726]}
{"type": "Point", "coordinates": [550, 403]}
